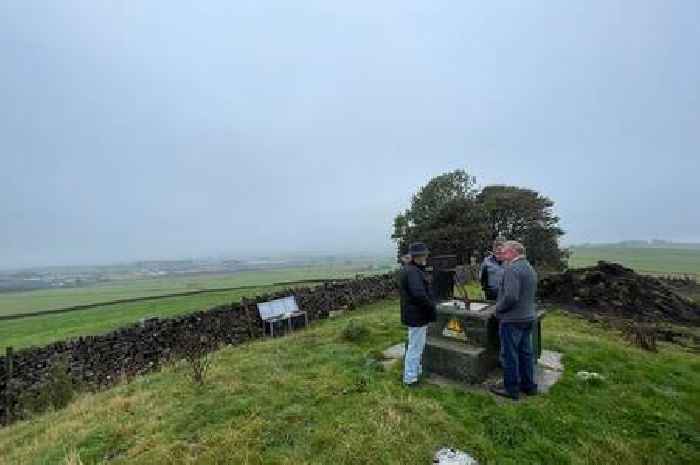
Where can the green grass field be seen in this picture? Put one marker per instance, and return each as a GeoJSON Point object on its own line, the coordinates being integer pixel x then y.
{"type": "Point", "coordinates": [642, 260]}
{"type": "Point", "coordinates": [32, 301]}
{"type": "Point", "coordinates": [312, 398]}
{"type": "Point", "coordinates": [42, 330]}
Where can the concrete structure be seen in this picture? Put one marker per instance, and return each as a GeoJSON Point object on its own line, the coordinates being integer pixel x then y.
{"type": "Point", "coordinates": [463, 344]}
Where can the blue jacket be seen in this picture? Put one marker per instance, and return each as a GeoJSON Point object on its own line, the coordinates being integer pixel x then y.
{"type": "Point", "coordinates": [516, 296]}
{"type": "Point", "coordinates": [491, 273]}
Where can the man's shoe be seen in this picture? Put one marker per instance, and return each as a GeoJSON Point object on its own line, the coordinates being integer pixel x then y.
{"type": "Point", "coordinates": [412, 385]}
{"type": "Point", "coordinates": [531, 392]}
{"type": "Point", "coordinates": [503, 393]}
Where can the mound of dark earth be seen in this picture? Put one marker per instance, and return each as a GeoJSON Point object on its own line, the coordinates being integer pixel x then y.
{"type": "Point", "coordinates": [686, 286]}
{"type": "Point", "coordinates": [610, 289]}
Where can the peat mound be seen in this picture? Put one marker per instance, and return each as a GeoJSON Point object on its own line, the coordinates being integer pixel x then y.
{"type": "Point", "coordinates": [687, 286]}
{"type": "Point", "coordinates": [610, 289]}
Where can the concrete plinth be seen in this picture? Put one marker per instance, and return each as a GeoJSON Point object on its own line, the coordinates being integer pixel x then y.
{"type": "Point", "coordinates": [457, 360]}
{"type": "Point", "coordinates": [463, 343]}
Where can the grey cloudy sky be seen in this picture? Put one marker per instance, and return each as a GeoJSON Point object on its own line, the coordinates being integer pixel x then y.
{"type": "Point", "coordinates": [157, 129]}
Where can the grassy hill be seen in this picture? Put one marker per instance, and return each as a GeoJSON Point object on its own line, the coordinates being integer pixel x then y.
{"type": "Point", "coordinates": [312, 398]}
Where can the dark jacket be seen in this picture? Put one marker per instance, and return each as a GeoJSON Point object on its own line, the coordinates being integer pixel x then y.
{"type": "Point", "coordinates": [516, 295]}
{"type": "Point", "coordinates": [417, 301]}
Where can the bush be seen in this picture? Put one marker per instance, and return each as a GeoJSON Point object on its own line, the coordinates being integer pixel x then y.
{"type": "Point", "coordinates": [56, 391]}
{"type": "Point", "coordinates": [195, 350]}
{"type": "Point", "coordinates": [355, 331]}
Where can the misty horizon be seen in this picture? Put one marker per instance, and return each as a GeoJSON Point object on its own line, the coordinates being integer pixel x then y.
{"type": "Point", "coordinates": [389, 252]}
{"type": "Point", "coordinates": [160, 131]}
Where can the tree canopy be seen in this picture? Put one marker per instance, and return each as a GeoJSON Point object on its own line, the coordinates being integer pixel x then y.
{"type": "Point", "coordinates": [453, 216]}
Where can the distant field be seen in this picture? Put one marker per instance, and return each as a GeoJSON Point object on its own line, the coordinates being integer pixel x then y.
{"type": "Point", "coordinates": [643, 260]}
{"type": "Point", "coordinates": [32, 301]}
{"type": "Point", "coordinates": [42, 330]}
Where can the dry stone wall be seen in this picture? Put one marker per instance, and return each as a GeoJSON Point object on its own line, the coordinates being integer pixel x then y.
{"type": "Point", "coordinates": [99, 361]}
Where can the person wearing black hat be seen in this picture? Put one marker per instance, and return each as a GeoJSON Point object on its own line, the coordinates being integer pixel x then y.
{"type": "Point", "coordinates": [417, 309]}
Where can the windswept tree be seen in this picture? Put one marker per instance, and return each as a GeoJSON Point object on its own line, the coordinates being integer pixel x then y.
{"type": "Point", "coordinates": [444, 214]}
{"type": "Point", "coordinates": [438, 192]}
{"type": "Point", "coordinates": [527, 216]}
{"type": "Point", "coordinates": [459, 228]}
{"type": "Point", "coordinates": [453, 217]}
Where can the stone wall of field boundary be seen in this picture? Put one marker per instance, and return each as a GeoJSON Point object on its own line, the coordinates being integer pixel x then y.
{"type": "Point", "coordinates": [97, 362]}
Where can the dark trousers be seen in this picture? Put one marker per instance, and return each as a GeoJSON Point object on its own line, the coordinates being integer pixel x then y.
{"type": "Point", "coordinates": [517, 357]}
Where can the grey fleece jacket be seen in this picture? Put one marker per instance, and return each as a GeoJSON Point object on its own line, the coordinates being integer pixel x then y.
{"type": "Point", "coordinates": [516, 294]}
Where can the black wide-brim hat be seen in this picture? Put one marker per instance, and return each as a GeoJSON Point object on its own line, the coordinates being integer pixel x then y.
{"type": "Point", "coordinates": [418, 248]}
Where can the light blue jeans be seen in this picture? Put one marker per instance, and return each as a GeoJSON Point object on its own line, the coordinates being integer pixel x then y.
{"type": "Point", "coordinates": [412, 366]}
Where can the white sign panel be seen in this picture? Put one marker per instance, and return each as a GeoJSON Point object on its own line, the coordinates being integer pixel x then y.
{"type": "Point", "coordinates": [278, 307]}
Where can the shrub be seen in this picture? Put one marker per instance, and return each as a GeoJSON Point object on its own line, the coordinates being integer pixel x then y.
{"type": "Point", "coordinates": [56, 391]}
{"type": "Point", "coordinates": [195, 350]}
{"type": "Point", "coordinates": [355, 331]}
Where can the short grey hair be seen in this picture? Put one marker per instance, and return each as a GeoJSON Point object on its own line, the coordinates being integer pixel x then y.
{"type": "Point", "coordinates": [515, 245]}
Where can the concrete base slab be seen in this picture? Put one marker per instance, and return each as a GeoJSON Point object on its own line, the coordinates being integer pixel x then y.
{"type": "Point", "coordinates": [547, 378]}
{"type": "Point", "coordinates": [549, 370]}
{"type": "Point", "coordinates": [395, 352]}
{"type": "Point", "coordinates": [441, 381]}
{"type": "Point", "coordinates": [393, 355]}
{"type": "Point", "coordinates": [545, 375]}
{"type": "Point", "coordinates": [551, 360]}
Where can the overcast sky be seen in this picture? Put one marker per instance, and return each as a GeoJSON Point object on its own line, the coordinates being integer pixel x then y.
{"type": "Point", "coordinates": [164, 129]}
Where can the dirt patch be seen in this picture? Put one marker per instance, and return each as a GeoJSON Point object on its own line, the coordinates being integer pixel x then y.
{"type": "Point", "coordinates": [611, 290]}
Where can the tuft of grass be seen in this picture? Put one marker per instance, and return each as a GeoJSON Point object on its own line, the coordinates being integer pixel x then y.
{"type": "Point", "coordinates": [72, 458]}
{"type": "Point", "coordinates": [313, 398]}
{"type": "Point", "coordinates": [355, 331]}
